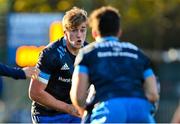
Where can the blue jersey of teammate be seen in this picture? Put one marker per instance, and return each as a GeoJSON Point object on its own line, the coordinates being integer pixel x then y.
{"type": "Point", "coordinates": [119, 63]}
{"type": "Point", "coordinates": [117, 70]}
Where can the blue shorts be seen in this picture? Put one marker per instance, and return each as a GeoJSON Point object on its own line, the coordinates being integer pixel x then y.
{"type": "Point", "coordinates": [122, 110]}
{"type": "Point", "coordinates": [60, 118]}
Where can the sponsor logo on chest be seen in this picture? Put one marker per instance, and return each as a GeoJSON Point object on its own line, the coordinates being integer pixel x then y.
{"type": "Point", "coordinates": [66, 80]}
{"type": "Point", "coordinates": [64, 68]}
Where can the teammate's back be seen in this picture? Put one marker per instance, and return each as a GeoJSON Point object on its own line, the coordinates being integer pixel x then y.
{"type": "Point", "coordinates": [124, 81]}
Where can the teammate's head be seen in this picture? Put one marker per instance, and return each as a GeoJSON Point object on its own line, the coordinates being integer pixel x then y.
{"type": "Point", "coordinates": [105, 21]}
{"type": "Point", "coordinates": [75, 26]}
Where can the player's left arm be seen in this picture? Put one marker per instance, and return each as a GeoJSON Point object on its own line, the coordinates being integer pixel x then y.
{"type": "Point", "coordinates": [150, 82]}
{"type": "Point", "coordinates": [80, 82]}
{"type": "Point", "coordinates": [150, 86]}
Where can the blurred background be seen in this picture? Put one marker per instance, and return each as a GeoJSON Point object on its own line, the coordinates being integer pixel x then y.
{"type": "Point", "coordinates": [26, 26]}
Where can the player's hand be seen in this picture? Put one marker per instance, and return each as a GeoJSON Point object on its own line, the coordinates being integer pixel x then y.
{"type": "Point", "coordinates": [31, 72]}
{"type": "Point", "coordinates": [73, 111]}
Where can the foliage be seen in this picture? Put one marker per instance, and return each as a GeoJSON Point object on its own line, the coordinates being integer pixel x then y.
{"type": "Point", "coordinates": [148, 23]}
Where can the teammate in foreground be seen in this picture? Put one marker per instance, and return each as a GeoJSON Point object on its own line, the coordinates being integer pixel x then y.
{"type": "Point", "coordinates": [50, 94]}
{"type": "Point", "coordinates": [121, 74]}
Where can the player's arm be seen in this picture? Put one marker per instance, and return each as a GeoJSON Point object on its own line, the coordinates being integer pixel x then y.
{"type": "Point", "coordinates": [79, 88]}
{"type": "Point", "coordinates": [150, 86]}
{"type": "Point", "coordinates": [17, 73]}
{"type": "Point", "coordinates": [38, 94]}
{"type": "Point", "coordinates": [37, 88]}
{"type": "Point", "coordinates": [176, 116]}
{"type": "Point", "coordinates": [31, 72]}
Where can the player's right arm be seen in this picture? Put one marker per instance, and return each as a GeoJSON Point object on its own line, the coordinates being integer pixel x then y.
{"type": "Point", "coordinates": [38, 93]}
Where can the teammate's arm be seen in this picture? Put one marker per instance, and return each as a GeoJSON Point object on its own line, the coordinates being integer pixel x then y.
{"type": "Point", "coordinates": [176, 116]}
{"type": "Point", "coordinates": [150, 86]}
{"type": "Point", "coordinates": [79, 89]}
{"type": "Point", "coordinates": [31, 72]}
{"type": "Point", "coordinates": [18, 73]}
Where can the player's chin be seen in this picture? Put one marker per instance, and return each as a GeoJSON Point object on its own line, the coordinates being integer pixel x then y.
{"type": "Point", "coordinates": [78, 46]}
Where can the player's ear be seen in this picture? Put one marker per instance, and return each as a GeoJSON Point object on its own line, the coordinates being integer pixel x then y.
{"type": "Point", "coordinates": [65, 35]}
{"type": "Point", "coordinates": [64, 32]}
{"type": "Point", "coordinates": [94, 34]}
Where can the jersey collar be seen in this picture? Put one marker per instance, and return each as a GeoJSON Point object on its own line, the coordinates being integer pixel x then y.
{"type": "Point", "coordinates": [64, 41]}
{"type": "Point", "coordinates": [109, 38]}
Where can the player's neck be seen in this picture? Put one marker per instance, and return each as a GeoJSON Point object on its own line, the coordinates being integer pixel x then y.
{"type": "Point", "coordinates": [72, 50]}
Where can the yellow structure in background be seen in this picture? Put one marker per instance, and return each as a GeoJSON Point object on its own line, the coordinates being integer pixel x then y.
{"type": "Point", "coordinates": [55, 31]}
{"type": "Point", "coordinates": [28, 55]}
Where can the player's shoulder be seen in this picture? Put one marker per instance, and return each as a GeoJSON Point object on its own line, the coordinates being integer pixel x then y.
{"type": "Point", "coordinates": [129, 45]}
{"type": "Point", "coordinates": [141, 53]}
{"type": "Point", "coordinates": [52, 47]}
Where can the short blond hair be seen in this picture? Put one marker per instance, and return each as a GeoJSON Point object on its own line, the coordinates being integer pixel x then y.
{"type": "Point", "coordinates": [73, 18]}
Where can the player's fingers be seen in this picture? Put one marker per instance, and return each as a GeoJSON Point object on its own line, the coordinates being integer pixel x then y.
{"type": "Point", "coordinates": [33, 77]}
{"type": "Point", "coordinates": [37, 70]}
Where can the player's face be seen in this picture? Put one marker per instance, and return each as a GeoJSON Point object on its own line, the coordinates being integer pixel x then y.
{"type": "Point", "coordinates": [77, 35]}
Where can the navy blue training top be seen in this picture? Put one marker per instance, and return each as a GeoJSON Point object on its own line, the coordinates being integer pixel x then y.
{"type": "Point", "coordinates": [56, 65]}
{"type": "Point", "coordinates": [117, 69]}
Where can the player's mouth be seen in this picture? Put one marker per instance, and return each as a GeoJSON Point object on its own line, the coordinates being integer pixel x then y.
{"type": "Point", "coordinates": [79, 42]}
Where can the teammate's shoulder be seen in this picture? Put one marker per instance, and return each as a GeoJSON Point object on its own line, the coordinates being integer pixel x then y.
{"type": "Point", "coordinates": [127, 44]}
{"type": "Point", "coordinates": [89, 47]}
